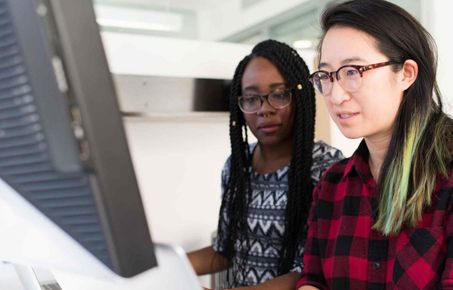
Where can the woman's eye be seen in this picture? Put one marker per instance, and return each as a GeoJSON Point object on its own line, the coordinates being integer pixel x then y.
{"type": "Point", "coordinates": [323, 77]}
{"type": "Point", "coordinates": [278, 96]}
{"type": "Point", "coordinates": [250, 99]}
{"type": "Point", "coordinates": [351, 72]}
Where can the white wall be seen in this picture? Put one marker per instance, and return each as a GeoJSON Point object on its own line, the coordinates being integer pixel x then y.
{"type": "Point", "coordinates": [178, 163]}
{"type": "Point", "coordinates": [436, 16]}
{"type": "Point", "coordinates": [229, 17]}
{"type": "Point", "coordinates": [159, 56]}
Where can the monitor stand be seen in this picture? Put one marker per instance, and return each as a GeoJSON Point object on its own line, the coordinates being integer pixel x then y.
{"type": "Point", "coordinates": [27, 277]}
{"type": "Point", "coordinates": [172, 273]}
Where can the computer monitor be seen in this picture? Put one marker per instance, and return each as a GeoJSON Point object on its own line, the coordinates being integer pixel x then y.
{"type": "Point", "coordinates": [62, 143]}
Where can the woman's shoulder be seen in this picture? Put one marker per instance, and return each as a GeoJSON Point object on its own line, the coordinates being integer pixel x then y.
{"type": "Point", "coordinates": [324, 156]}
{"type": "Point", "coordinates": [226, 165]}
{"type": "Point", "coordinates": [321, 148]}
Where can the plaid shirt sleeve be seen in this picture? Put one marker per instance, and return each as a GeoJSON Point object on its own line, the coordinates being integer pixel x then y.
{"type": "Point", "coordinates": [312, 274]}
{"type": "Point", "coordinates": [447, 275]}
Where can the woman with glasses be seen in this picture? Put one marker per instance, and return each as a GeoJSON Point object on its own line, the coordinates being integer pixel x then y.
{"type": "Point", "coordinates": [382, 219]}
{"type": "Point", "coordinates": [267, 186]}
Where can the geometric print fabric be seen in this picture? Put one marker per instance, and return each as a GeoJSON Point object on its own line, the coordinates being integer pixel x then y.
{"type": "Point", "coordinates": [266, 218]}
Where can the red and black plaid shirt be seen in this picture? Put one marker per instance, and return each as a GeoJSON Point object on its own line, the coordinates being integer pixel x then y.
{"type": "Point", "coordinates": [343, 252]}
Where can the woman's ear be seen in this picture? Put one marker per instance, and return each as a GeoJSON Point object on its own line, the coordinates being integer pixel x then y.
{"type": "Point", "coordinates": [409, 74]}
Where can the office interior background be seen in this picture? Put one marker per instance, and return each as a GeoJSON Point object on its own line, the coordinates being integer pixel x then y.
{"type": "Point", "coordinates": [168, 57]}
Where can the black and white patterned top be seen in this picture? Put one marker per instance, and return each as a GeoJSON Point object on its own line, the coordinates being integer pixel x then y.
{"type": "Point", "coordinates": [266, 217]}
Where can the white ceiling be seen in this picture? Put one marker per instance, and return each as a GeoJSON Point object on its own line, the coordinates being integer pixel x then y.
{"type": "Point", "coordinates": [167, 4]}
{"type": "Point", "coordinates": [198, 25]}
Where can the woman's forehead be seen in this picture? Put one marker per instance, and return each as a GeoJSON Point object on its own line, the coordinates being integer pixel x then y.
{"type": "Point", "coordinates": [345, 45]}
{"type": "Point", "coordinates": [261, 71]}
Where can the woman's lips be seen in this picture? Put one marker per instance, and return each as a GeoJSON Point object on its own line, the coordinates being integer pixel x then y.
{"type": "Point", "coordinates": [268, 129]}
{"type": "Point", "coordinates": [346, 116]}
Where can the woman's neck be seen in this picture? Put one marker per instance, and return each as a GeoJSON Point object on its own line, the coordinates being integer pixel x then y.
{"type": "Point", "coordinates": [377, 147]}
{"type": "Point", "coordinates": [269, 158]}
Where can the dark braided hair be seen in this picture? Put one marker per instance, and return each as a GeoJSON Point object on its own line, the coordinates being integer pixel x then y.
{"type": "Point", "coordinates": [237, 193]}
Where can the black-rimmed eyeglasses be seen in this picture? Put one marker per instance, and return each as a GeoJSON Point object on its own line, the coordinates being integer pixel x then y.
{"type": "Point", "coordinates": [278, 98]}
{"type": "Point", "coordinates": [348, 76]}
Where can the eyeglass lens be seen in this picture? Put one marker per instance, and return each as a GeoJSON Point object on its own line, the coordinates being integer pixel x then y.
{"type": "Point", "coordinates": [348, 76]}
{"type": "Point", "coordinates": [278, 99]}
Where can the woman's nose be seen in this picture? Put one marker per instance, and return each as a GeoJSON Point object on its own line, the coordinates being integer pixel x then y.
{"type": "Point", "coordinates": [265, 108]}
{"type": "Point", "coordinates": [337, 94]}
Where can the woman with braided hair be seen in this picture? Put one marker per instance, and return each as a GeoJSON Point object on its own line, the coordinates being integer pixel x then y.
{"type": "Point", "coordinates": [267, 186]}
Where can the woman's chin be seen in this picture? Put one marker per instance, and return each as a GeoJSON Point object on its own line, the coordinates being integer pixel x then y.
{"type": "Point", "coordinates": [351, 134]}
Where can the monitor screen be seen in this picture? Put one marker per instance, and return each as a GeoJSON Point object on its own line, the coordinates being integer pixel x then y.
{"type": "Point", "coordinates": [62, 143]}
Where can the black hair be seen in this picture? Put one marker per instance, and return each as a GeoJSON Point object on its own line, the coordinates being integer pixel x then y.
{"type": "Point", "coordinates": [237, 193]}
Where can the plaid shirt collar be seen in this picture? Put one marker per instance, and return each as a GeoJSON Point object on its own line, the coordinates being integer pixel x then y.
{"type": "Point", "coordinates": [358, 163]}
